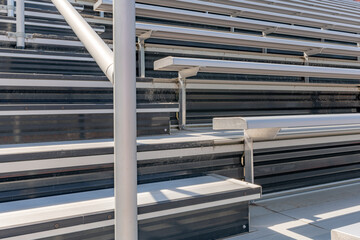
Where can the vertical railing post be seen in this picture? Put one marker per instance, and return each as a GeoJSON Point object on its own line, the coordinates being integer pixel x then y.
{"type": "Point", "coordinates": [141, 49]}
{"type": "Point", "coordinates": [264, 50]}
{"type": "Point", "coordinates": [182, 102]}
{"type": "Point", "coordinates": [306, 63]}
{"type": "Point", "coordinates": [322, 39]}
{"type": "Point", "coordinates": [125, 163]}
{"type": "Point", "coordinates": [20, 24]}
{"type": "Point", "coordinates": [267, 32]}
{"type": "Point", "coordinates": [232, 29]}
{"type": "Point", "coordinates": [10, 7]}
{"type": "Point", "coordinates": [249, 158]}
{"type": "Point", "coordinates": [141, 44]}
{"type": "Point", "coordinates": [182, 75]}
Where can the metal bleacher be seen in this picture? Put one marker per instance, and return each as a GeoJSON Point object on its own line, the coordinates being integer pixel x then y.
{"type": "Point", "coordinates": [197, 60]}
{"type": "Point", "coordinates": [236, 67]}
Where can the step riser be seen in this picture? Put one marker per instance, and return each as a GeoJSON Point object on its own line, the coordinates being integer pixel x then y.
{"type": "Point", "coordinates": [215, 222]}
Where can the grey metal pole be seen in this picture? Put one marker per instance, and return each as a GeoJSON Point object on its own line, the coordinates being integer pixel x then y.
{"type": "Point", "coordinates": [141, 44]}
{"type": "Point", "coordinates": [249, 158]}
{"type": "Point", "coordinates": [20, 24]}
{"type": "Point", "coordinates": [10, 5]}
{"type": "Point", "coordinates": [182, 75]}
{"type": "Point", "coordinates": [182, 103]}
{"type": "Point", "coordinates": [125, 120]}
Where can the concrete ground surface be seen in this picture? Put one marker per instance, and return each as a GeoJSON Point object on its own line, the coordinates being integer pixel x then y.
{"type": "Point", "coordinates": [304, 216]}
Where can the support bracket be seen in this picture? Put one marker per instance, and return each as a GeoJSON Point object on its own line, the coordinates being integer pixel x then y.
{"type": "Point", "coordinates": [262, 133]}
{"type": "Point", "coordinates": [183, 74]}
{"type": "Point", "coordinates": [306, 63]}
{"type": "Point", "coordinates": [249, 136]}
{"type": "Point", "coordinates": [306, 58]}
{"type": "Point", "coordinates": [249, 158]}
{"type": "Point", "coordinates": [265, 33]}
{"type": "Point", "coordinates": [6, 8]}
{"type": "Point", "coordinates": [237, 13]}
{"type": "Point", "coordinates": [146, 35]}
{"type": "Point", "coordinates": [189, 72]}
{"type": "Point", "coordinates": [269, 30]}
{"type": "Point", "coordinates": [232, 29]}
{"type": "Point", "coordinates": [327, 26]}
{"type": "Point", "coordinates": [141, 44]}
{"type": "Point", "coordinates": [17, 34]}
{"type": "Point", "coordinates": [313, 51]}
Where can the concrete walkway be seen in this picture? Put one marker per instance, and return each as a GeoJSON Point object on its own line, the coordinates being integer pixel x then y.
{"type": "Point", "coordinates": [304, 216]}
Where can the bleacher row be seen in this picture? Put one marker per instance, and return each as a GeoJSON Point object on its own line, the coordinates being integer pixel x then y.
{"type": "Point", "coordinates": [235, 58]}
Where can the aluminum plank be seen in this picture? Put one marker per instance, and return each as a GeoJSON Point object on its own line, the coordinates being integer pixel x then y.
{"type": "Point", "coordinates": [238, 67]}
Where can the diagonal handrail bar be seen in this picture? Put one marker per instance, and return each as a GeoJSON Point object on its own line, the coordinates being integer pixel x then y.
{"type": "Point", "coordinates": [97, 48]}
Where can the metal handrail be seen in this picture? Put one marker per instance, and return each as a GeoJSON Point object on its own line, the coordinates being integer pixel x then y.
{"type": "Point", "coordinates": [97, 48]}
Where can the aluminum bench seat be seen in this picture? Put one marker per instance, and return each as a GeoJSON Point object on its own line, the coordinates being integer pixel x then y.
{"type": "Point", "coordinates": [87, 82]}
{"type": "Point", "coordinates": [48, 6]}
{"type": "Point", "coordinates": [345, 5]}
{"type": "Point", "coordinates": [267, 128]}
{"type": "Point", "coordinates": [313, 6]}
{"type": "Point", "coordinates": [44, 27]}
{"type": "Point", "coordinates": [211, 7]}
{"type": "Point", "coordinates": [65, 109]}
{"type": "Point", "coordinates": [45, 40]}
{"type": "Point", "coordinates": [185, 208]}
{"type": "Point", "coordinates": [217, 37]}
{"type": "Point", "coordinates": [178, 64]}
{"type": "Point", "coordinates": [349, 232]}
{"type": "Point", "coordinates": [37, 11]}
{"type": "Point", "coordinates": [214, 37]}
{"type": "Point", "coordinates": [336, 16]}
{"type": "Point", "coordinates": [241, 23]}
{"type": "Point", "coordinates": [295, 121]}
{"type": "Point", "coordinates": [45, 55]}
